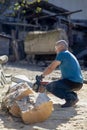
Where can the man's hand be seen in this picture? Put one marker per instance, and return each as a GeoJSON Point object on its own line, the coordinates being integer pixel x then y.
{"type": "Point", "coordinates": [39, 78]}
{"type": "Point", "coordinates": [37, 85]}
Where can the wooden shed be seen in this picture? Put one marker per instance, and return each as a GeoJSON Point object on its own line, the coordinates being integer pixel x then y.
{"type": "Point", "coordinates": [4, 44]}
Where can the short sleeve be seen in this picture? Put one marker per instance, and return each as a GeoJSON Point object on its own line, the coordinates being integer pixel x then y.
{"type": "Point", "coordinates": [59, 57]}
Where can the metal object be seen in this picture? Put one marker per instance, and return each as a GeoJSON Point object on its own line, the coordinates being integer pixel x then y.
{"type": "Point", "coordinates": [39, 86]}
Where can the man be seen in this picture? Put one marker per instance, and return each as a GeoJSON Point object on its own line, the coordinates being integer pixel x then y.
{"type": "Point", "coordinates": [71, 79]}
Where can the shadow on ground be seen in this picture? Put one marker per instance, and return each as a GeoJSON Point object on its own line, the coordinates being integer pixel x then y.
{"type": "Point", "coordinates": [59, 116]}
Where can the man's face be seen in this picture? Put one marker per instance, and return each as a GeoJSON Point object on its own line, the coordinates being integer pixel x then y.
{"type": "Point", "coordinates": [57, 48]}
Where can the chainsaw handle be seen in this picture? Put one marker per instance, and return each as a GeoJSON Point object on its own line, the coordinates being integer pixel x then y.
{"type": "Point", "coordinates": [36, 87]}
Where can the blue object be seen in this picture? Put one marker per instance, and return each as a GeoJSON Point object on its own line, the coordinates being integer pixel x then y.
{"type": "Point", "coordinates": [70, 68]}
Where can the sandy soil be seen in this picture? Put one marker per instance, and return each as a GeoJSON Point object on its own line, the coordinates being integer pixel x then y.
{"type": "Point", "coordinates": [74, 118]}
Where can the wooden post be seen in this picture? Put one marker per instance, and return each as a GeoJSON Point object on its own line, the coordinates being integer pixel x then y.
{"type": "Point", "coordinates": [15, 45]}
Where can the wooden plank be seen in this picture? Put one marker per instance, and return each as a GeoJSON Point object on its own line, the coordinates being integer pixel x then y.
{"type": "Point", "coordinates": [40, 128]}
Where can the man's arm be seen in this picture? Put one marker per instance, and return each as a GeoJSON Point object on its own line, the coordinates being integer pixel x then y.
{"type": "Point", "coordinates": [51, 67]}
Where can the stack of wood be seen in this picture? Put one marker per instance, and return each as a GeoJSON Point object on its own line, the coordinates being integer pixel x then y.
{"type": "Point", "coordinates": [22, 101]}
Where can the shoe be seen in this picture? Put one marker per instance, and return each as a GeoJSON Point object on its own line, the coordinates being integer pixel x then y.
{"type": "Point", "coordinates": [70, 103]}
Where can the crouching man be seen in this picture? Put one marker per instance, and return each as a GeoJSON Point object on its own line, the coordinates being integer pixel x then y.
{"type": "Point", "coordinates": [71, 80]}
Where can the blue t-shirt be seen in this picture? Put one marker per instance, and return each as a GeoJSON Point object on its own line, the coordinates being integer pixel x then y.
{"type": "Point", "coordinates": [70, 68]}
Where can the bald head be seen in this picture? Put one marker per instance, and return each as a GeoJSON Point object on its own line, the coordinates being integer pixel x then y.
{"type": "Point", "coordinates": [62, 43]}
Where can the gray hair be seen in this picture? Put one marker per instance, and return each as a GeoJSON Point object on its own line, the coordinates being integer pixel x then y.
{"type": "Point", "coordinates": [62, 42]}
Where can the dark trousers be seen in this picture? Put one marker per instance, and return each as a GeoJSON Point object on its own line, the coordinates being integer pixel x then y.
{"type": "Point", "coordinates": [64, 89]}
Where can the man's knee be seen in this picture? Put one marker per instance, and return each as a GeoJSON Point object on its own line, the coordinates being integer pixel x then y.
{"type": "Point", "coordinates": [49, 87]}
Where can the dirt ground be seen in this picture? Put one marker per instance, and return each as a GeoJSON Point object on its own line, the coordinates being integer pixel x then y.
{"type": "Point", "coordinates": [74, 118]}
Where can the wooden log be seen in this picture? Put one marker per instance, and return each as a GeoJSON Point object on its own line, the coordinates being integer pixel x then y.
{"type": "Point", "coordinates": [39, 114]}
{"type": "Point", "coordinates": [19, 91]}
{"type": "Point", "coordinates": [37, 111]}
{"type": "Point", "coordinates": [23, 102]}
{"type": "Point", "coordinates": [16, 92]}
{"type": "Point", "coordinates": [40, 128]}
{"type": "Point", "coordinates": [14, 110]}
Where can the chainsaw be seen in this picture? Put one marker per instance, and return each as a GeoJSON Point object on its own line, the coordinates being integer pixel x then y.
{"type": "Point", "coordinates": [39, 85]}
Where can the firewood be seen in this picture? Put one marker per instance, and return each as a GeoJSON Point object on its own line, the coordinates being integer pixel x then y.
{"type": "Point", "coordinates": [14, 110]}
{"type": "Point", "coordinates": [37, 109]}
{"type": "Point", "coordinates": [15, 93]}
{"type": "Point", "coordinates": [21, 101]}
